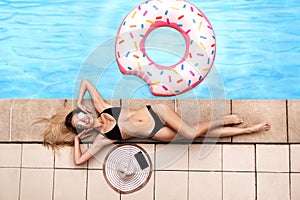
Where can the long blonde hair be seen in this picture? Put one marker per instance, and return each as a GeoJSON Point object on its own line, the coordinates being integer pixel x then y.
{"type": "Point", "coordinates": [56, 134]}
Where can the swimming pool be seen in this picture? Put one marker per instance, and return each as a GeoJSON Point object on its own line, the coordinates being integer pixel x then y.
{"type": "Point", "coordinates": [45, 45]}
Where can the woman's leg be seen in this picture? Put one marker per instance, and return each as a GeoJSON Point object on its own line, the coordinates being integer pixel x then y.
{"type": "Point", "coordinates": [228, 131]}
{"type": "Point", "coordinates": [174, 121]}
{"type": "Point", "coordinates": [167, 134]}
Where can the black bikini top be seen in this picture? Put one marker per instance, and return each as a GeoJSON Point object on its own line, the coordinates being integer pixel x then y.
{"type": "Point", "coordinates": [114, 133]}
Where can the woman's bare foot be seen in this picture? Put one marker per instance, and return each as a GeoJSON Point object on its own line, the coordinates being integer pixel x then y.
{"type": "Point", "coordinates": [232, 120]}
{"type": "Point", "coordinates": [260, 127]}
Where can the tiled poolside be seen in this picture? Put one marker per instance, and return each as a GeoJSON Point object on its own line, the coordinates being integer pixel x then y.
{"type": "Point", "coordinates": [259, 166]}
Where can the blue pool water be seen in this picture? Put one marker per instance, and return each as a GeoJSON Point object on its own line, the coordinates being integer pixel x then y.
{"type": "Point", "coordinates": [46, 47]}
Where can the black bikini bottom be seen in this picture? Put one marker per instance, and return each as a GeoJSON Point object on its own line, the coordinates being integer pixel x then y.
{"type": "Point", "coordinates": [158, 123]}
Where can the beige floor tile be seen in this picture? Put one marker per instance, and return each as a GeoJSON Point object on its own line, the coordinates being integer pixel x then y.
{"type": "Point", "coordinates": [65, 158]}
{"type": "Point", "coordinates": [171, 185]}
{"type": "Point", "coordinates": [294, 118]}
{"type": "Point", "coordinates": [238, 158]}
{"type": "Point", "coordinates": [205, 157]}
{"type": "Point", "coordinates": [257, 111]}
{"type": "Point", "coordinates": [36, 184]}
{"type": "Point", "coordinates": [205, 185]}
{"type": "Point", "coordinates": [36, 155]}
{"type": "Point", "coordinates": [114, 101]}
{"type": "Point", "coordinates": [202, 110]}
{"type": "Point", "coordinates": [295, 185]}
{"type": "Point", "coordinates": [9, 183]}
{"type": "Point", "coordinates": [272, 158]}
{"type": "Point", "coordinates": [145, 193]}
{"type": "Point", "coordinates": [5, 120]}
{"type": "Point", "coordinates": [295, 158]}
{"type": "Point", "coordinates": [194, 111]}
{"type": "Point", "coordinates": [191, 110]}
{"type": "Point", "coordinates": [70, 184]}
{"type": "Point", "coordinates": [238, 186]}
{"type": "Point", "coordinates": [29, 111]}
{"type": "Point", "coordinates": [10, 155]}
{"type": "Point", "coordinates": [98, 188]}
{"type": "Point", "coordinates": [272, 186]}
{"type": "Point", "coordinates": [171, 157]}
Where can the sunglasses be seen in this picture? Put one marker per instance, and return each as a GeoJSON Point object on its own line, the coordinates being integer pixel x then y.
{"type": "Point", "coordinates": [80, 123]}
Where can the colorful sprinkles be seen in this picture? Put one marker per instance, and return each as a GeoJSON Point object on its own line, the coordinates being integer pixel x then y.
{"type": "Point", "coordinates": [180, 17]}
{"type": "Point", "coordinates": [201, 45]}
{"type": "Point", "coordinates": [165, 88]}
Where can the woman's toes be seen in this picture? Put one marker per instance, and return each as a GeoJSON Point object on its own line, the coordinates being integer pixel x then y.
{"type": "Point", "coordinates": [261, 127]}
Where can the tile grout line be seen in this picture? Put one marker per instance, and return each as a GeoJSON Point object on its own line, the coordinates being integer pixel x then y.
{"type": "Point", "coordinates": [87, 181]}
{"type": "Point", "coordinates": [10, 122]}
{"type": "Point", "coordinates": [222, 173]}
{"type": "Point", "coordinates": [230, 171]}
{"type": "Point", "coordinates": [20, 175]}
{"type": "Point", "coordinates": [290, 174]}
{"type": "Point", "coordinates": [231, 109]}
{"type": "Point", "coordinates": [287, 121]}
{"type": "Point", "coordinates": [175, 105]}
{"type": "Point", "coordinates": [181, 143]}
{"type": "Point", "coordinates": [231, 103]}
{"type": "Point", "coordinates": [53, 177]}
{"type": "Point", "coordinates": [188, 174]}
{"type": "Point", "coordinates": [154, 171]}
{"type": "Point", "coordinates": [87, 174]}
{"type": "Point", "coordinates": [255, 170]}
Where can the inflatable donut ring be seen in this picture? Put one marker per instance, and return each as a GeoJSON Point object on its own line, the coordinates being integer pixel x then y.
{"type": "Point", "coordinates": [190, 22]}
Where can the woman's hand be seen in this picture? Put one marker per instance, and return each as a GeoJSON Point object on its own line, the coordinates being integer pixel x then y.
{"type": "Point", "coordinates": [84, 134]}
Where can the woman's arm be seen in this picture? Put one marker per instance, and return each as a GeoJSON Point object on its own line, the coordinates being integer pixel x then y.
{"type": "Point", "coordinates": [99, 142]}
{"type": "Point", "coordinates": [99, 103]}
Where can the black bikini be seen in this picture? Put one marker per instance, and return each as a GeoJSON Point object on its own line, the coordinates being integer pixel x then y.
{"type": "Point", "coordinates": [115, 133]}
{"type": "Point", "coordinates": [158, 124]}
